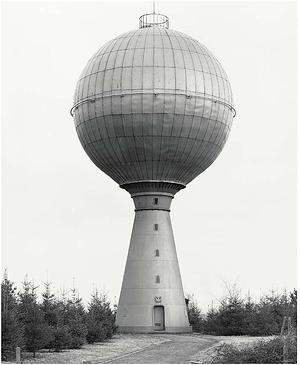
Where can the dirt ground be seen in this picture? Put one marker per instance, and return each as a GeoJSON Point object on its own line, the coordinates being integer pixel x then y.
{"type": "Point", "coordinates": [178, 350]}
{"type": "Point", "coordinates": [141, 349]}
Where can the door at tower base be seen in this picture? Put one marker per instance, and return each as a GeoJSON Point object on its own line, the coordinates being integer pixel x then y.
{"type": "Point", "coordinates": [159, 317]}
{"type": "Point", "coordinates": [152, 296]}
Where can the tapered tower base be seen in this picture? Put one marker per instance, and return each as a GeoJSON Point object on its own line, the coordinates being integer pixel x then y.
{"type": "Point", "coordinates": [152, 296]}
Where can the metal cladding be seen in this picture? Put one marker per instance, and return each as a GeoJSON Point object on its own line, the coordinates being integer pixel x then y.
{"type": "Point", "coordinates": [153, 105]}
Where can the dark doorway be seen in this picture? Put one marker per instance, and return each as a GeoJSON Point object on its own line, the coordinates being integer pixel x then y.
{"type": "Point", "coordinates": [159, 318]}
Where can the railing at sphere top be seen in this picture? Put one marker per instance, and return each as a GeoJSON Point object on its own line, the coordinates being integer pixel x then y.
{"type": "Point", "coordinates": [154, 20]}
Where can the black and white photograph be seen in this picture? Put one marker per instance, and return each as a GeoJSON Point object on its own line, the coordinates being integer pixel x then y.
{"type": "Point", "coordinates": [149, 182]}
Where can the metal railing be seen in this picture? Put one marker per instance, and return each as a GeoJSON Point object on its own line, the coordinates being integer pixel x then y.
{"type": "Point", "coordinates": [155, 94]}
{"type": "Point", "coordinates": [154, 20]}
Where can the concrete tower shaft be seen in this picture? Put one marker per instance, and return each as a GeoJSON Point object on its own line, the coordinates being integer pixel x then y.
{"type": "Point", "coordinates": [152, 294]}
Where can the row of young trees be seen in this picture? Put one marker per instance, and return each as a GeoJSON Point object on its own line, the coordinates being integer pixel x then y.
{"type": "Point", "coordinates": [60, 323]}
{"type": "Point", "coordinates": [54, 323]}
{"type": "Point", "coordinates": [238, 316]}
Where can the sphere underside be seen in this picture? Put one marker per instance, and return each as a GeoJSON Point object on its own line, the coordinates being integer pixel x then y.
{"type": "Point", "coordinates": [153, 105]}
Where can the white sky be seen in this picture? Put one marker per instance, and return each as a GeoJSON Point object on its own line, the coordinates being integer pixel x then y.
{"type": "Point", "coordinates": [64, 218]}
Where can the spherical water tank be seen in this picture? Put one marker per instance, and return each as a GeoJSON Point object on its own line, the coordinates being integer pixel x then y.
{"type": "Point", "coordinates": [153, 105]}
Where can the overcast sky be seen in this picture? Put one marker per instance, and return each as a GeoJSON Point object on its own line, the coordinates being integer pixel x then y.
{"type": "Point", "coordinates": [64, 218]}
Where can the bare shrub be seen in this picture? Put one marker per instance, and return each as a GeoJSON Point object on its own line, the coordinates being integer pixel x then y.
{"type": "Point", "coordinates": [260, 352]}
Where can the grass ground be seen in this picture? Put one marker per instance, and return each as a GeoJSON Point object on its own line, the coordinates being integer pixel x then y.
{"type": "Point", "coordinates": [101, 352]}
{"type": "Point", "coordinates": [206, 356]}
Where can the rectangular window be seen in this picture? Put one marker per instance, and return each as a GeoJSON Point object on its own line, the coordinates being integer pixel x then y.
{"type": "Point", "coordinates": [156, 253]}
{"type": "Point", "coordinates": [155, 227]}
{"type": "Point", "coordinates": [157, 279]}
{"type": "Point", "coordinates": [155, 201]}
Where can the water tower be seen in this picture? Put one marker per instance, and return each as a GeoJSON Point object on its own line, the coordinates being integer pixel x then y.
{"type": "Point", "coordinates": [153, 109]}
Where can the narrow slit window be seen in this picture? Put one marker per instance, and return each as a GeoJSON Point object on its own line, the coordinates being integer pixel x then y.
{"type": "Point", "coordinates": [157, 279]}
{"type": "Point", "coordinates": [155, 201]}
{"type": "Point", "coordinates": [156, 253]}
{"type": "Point", "coordinates": [155, 227]}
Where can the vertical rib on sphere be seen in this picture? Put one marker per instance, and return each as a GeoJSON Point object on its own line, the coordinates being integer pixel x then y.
{"type": "Point", "coordinates": [153, 105]}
